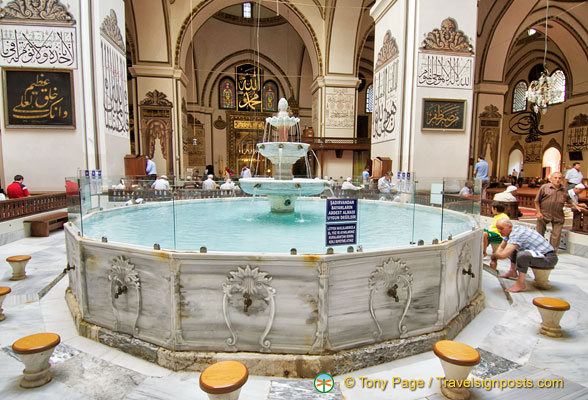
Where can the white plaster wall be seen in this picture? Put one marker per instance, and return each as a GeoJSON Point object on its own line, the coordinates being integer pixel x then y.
{"type": "Point", "coordinates": [150, 26]}
{"type": "Point", "coordinates": [44, 156]}
{"type": "Point", "coordinates": [343, 37]}
{"type": "Point", "coordinates": [338, 167]}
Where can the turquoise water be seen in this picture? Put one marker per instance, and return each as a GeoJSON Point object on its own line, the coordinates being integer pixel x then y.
{"type": "Point", "coordinates": [246, 225]}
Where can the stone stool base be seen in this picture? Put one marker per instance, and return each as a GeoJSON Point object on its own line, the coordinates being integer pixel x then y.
{"type": "Point", "coordinates": [3, 292]}
{"type": "Point", "coordinates": [457, 360]}
{"type": "Point", "coordinates": [541, 278]}
{"type": "Point", "coordinates": [223, 380]}
{"type": "Point", "coordinates": [34, 352]}
{"type": "Point", "coordinates": [18, 264]}
{"type": "Point", "coordinates": [551, 311]}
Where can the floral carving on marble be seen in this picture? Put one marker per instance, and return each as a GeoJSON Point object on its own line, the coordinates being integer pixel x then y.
{"type": "Point", "coordinates": [394, 277]}
{"type": "Point", "coordinates": [388, 51]}
{"type": "Point", "coordinates": [321, 340]}
{"type": "Point", "coordinates": [122, 276]}
{"type": "Point", "coordinates": [252, 290]}
{"type": "Point", "coordinates": [111, 30]}
{"type": "Point", "coordinates": [340, 108]}
{"type": "Point", "coordinates": [448, 39]}
{"type": "Point", "coordinates": [44, 10]}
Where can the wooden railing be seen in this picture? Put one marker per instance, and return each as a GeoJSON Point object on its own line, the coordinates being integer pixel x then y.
{"type": "Point", "coordinates": [511, 208]}
{"type": "Point", "coordinates": [15, 208]}
{"type": "Point", "coordinates": [580, 222]}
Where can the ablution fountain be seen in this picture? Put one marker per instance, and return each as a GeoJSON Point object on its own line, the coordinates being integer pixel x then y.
{"type": "Point", "coordinates": [187, 283]}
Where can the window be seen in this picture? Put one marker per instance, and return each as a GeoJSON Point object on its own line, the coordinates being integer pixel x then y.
{"type": "Point", "coordinates": [559, 82]}
{"type": "Point", "coordinates": [270, 96]}
{"type": "Point", "coordinates": [369, 98]}
{"type": "Point", "coordinates": [247, 10]}
{"type": "Point", "coordinates": [226, 93]}
{"type": "Point", "coordinates": [519, 97]}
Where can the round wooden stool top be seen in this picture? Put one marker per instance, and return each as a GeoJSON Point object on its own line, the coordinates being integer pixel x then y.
{"type": "Point", "coordinates": [551, 303]}
{"type": "Point", "coordinates": [456, 353]}
{"type": "Point", "coordinates": [18, 258]}
{"type": "Point", "coordinates": [36, 343]}
{"type": "Point", "coordinates": [223, 377]}
{"type": "Point", "coordinates": [4, 290]}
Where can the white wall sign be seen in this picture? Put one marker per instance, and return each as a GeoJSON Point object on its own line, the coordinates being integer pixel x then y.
{"type": "Point", "coordinates": [442, 70]}
{"type": "Point", "coordinates": [38, 46]}
{"type": "Point", "coordinates": [385, 102]}
{"type": "Point", "coordinates": [340, 108]}
{"type": "Point", "coordinates": [116, 107]}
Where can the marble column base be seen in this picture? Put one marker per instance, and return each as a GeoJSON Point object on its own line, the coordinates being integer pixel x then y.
{"type": "Point", "coordinates": [18, 270]}
{"type": "Point", "coordinates": [541, 278]}
{"type": "Point", "coordinates": [455, 374]}
{"type": "Point", "coordinates": [2, 316]}
{"type": "Point", "coordinates": [36, 372]}
{"type": "Point", "coordinates": [550, 322]}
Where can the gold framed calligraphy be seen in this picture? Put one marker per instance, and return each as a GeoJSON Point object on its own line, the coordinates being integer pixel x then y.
{"type": "Point", "coordinates": [444, 115]}
{"type": "Point", "coordinates": [249, 79]}
{"type": "Point", "coordinates": [38, 98]}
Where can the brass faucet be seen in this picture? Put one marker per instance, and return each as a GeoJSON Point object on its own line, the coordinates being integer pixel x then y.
{"type": "Point", "coordinates": [246, 301]}
{"type": "Point", "coordinates": [120, 290]}
{"type": "Point", "coordinates": [392, 293]}
{"type": "Point", "coordinates": [468, 272]}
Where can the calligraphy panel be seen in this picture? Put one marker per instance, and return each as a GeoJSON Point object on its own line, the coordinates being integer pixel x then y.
{"type": "Point", "coordinates": [249, 78]}
{"type": "Point", "coordinates": [385, 102]}
{"type": "Point", "coordinates": [115, 101]}
{"type": "Point", "coordinates": [38, 97]}
{"type": "Point", "coordinates": [340, 111]}
{"type": "Point", "coordinates": [38, 46]}
{"type": "Point", "coordinates": [441, 70]}
{"type": "Point", "coordinates": [443, 115]}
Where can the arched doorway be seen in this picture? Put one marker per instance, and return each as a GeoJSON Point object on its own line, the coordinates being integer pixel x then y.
{"type": "Point", "coordinates": [551, 161]}
{"type": "Point", "coordinates": [515, 161]}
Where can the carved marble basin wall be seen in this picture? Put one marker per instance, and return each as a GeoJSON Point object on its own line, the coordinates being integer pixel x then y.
{"type": "Point", "coordinates": [300, 304]}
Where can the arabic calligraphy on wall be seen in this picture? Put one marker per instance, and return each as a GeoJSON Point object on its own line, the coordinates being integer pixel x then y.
{"type": "Point", "coordinates": [249, 79]}
{"type": "Point", "coordinates": [340, 108]}
{"type": "Point", "coordinates": [115, 100]}
{"type": "Point", "coordinates": [385, 102]}
{"type": "Point", "coordinates": [38, 46]}
{"type": "Point", "coordinates": [439, 70]}
{"type": "Point", "coordinates": [443, 115]}
{"type": "Point", "coordinates": [38, 98]}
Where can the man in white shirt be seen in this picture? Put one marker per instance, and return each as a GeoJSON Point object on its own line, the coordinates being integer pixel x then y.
{"type": "Point", "coordinates": [245, 173]}
{"type": "Point", "coordinates": [385, 185]}
{"type": "Point", "coordinates": [573, 176]}
{"type": "Point", "coordinates": [507, 195]}
{"type": "Point", "coordinates": [228, 185]}
{"type": "Point", "coordinates": [161, 183]}
{"type": "Point", "coordinates": [348, 185]}
{"type": "Point", "coordinates": [579, 188]}
{"type": "Point", "coordinates": [209, 184]}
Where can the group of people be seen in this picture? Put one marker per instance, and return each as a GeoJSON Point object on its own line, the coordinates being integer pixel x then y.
{"type": "Point", "coordinates": [526, 247]}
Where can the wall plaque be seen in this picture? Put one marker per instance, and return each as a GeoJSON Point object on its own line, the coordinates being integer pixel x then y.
{"type": "Point", "coordinates": [37, 97]}
{"type": "Point", "coordinates": [443, 115]}
{"type": "Point", "coordinates": [249, 79]}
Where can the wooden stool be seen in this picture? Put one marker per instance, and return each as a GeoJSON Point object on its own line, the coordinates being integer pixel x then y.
{"type": "Point", "coordinates": [223, 380]}
{"type": "Point", "coordinates": [3, 292]}
{"type": "Point", "coordinates": [18, 264]}
{"type": "Point", "coordinates": [457, 360]}
{"type": "Point", "coordinates": [542, 278]}
{"type": "Point", "coordinates": [34, 351]}
{"type": "Point", "coordinates": [551, 311]}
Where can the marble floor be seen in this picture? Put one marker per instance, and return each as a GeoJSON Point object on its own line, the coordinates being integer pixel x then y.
{"type": "Point", "coordinates": [505, 333]}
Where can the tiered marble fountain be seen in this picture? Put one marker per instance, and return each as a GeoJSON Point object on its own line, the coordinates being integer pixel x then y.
{"type": "Point", "coordinates": [283, 189]}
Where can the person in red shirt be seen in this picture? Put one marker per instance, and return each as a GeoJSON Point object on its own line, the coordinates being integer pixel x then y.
{"type": "Point", "coordinates": [17, 189]}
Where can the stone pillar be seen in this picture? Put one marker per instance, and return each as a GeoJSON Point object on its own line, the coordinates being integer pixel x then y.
{"type": "Point", "coordinates": [423, 85]}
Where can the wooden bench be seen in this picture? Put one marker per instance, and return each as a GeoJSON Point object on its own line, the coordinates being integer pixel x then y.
{"type": "Point", "coordinates": [43, 224]}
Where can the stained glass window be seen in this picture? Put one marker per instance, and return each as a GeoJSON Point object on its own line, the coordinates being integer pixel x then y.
{"type": "Point", "coordinates": [559, 80]}
{"type": "Point", "coordinates": [369, 98]}
{"type": "Point", "coordinates": [270, 96]}
{"type": "Point", "coordinates": [519, 97]}
{"type": "Point", "coordinates": [226, 93]}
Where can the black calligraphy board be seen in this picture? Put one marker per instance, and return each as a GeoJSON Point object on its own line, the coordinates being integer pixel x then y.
{"type": "Point", "coordinates": [443, 115]}
{"type": "Point", "coordinates": [36, 97]}
{"type": "Point", "coordinates": [249, 85]}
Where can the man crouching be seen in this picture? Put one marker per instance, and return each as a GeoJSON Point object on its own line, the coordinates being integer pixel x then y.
{"type": "Point", "coordinates": [525, 248]}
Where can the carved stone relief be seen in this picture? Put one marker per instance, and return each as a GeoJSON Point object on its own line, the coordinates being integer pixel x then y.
{"type": "Point", "coordinates": [111, 30]}
{"type": "Point", "coordinates": [394, 278]}
{"type": "Point", "coordinates": [533, 152]}
{"type": "Point", "coordinates": [448, 39]}
{"type": "Point", "coordinates": [388, 52]}
{"type": "Point", "coordinates": [249, 291]}
{"type": "Point", "coordinates": [490, 121]}
{"type": "Point", "coordinates": [156, 123]}
{"type": "Point", "coordinates": [123, 278]}
{"type": "Point", "coordinates": [321, 340]}
{"type": "Point", "coordinates": [43, 10]}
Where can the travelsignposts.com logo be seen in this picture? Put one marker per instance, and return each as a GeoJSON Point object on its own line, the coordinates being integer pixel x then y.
{"type": "Point", "coordinates": [324, 383]}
